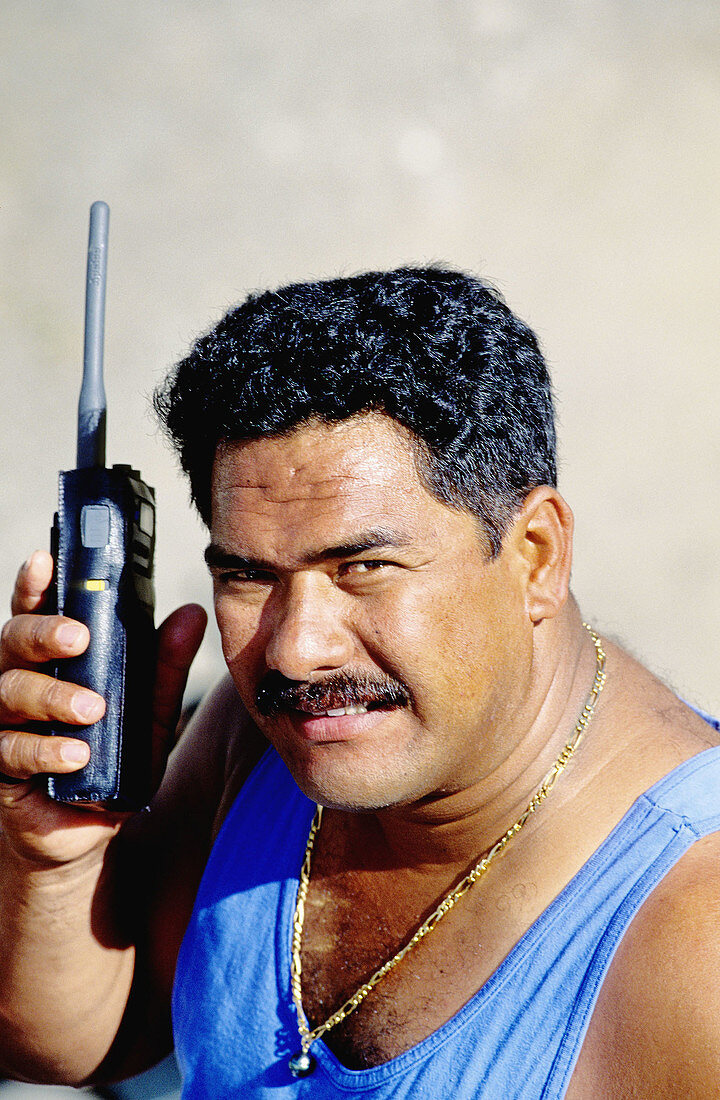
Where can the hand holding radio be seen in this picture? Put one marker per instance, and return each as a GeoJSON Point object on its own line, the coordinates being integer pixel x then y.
{"type": "Point", "coordinates": [30, 699]}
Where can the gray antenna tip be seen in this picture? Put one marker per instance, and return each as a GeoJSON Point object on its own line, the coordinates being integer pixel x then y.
{"type": "Point", "coordinates": [92, 404]}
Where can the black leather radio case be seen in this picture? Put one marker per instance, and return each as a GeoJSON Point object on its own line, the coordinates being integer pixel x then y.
{"type": "Point", "coordinates": [103, 545]}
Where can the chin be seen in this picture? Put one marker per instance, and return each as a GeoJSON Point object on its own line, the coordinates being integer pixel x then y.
{"type": "Point", "coordinates": [354, 786]}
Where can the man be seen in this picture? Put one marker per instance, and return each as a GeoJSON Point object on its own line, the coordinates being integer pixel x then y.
{"type": "Point", "coordinates": [490, 903]}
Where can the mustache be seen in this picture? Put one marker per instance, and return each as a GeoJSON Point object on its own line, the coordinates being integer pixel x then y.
{"type": "Point", "coordinates": [276, 694]}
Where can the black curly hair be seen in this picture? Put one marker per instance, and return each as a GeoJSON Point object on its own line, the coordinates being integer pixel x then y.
{"type": "Point", "coordinates": [437, 350]}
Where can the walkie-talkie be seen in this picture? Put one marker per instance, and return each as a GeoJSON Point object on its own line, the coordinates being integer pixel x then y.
{"type": "Point", "coordinates": [103, 542]}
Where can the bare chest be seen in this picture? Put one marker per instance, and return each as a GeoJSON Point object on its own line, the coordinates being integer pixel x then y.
{"type": "Point", "coordinates": [355, 926]}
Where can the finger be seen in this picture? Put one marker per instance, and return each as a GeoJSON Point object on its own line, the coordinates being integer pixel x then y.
{"type": "Point", "coordinates": [23, 755]}
{"type": "Point", "coordinates": [34, 697]}
{"type": "Point", "coordinates": [29, 640]}
{"type": "Point", "coordinates": [179, 639]}
{"type": "Point", "coordinates": [32, 583]}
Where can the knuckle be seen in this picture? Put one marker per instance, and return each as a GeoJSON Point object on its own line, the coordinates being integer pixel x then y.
{"type": "Point", "coordinates": [27, 695]}
{"type": "Point", "coordinates": [11, 752]}
{"type": "Point", "coordinates": [39, 636]}
{"type": "Point", "coordinates": [24, 754]}
{"type": "Point", "coordinates": [24, 638]}
{"type": "Point", "coordinates": [38, 631]}
{"type": "Point", "coordinates": [10, 682]}
{"type": "Point", "coordinates": [41, 754]}
{"type": "Point", "coordinates": [54, 692]}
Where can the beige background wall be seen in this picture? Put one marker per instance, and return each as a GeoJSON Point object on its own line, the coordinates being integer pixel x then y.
{"type": "Point", "coordinates": [567, 150]}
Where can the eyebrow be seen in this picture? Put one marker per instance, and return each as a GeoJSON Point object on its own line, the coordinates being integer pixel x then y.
{"type": "Point", "coordinates": [217, 557]}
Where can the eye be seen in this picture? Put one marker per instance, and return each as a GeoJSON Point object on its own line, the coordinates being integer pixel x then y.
{"type": "Point", "coordinates": [357, 568]}
{"type": "Point", "coordinates": [246, 576]}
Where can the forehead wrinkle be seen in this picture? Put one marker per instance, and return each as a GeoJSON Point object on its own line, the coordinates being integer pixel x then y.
{"type": "Point", "coordinates": [319, 460]}
{"type": "Point", "coordinates": [325, 488]}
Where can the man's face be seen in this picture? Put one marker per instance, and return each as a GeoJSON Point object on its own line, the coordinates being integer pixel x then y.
{"type": "Point", "coordinates": [342, 584]}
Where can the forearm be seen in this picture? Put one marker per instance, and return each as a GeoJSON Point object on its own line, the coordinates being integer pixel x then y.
{"type": "Point", "coordinates": [65, 973]}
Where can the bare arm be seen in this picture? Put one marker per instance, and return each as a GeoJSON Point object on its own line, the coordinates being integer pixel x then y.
{"type": "Point", "coordinates": [655, 1031]}
{"type": "Point", "coordinates": [67, 948]}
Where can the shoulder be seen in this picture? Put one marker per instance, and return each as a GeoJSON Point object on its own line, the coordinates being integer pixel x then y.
{"type": "Point", "coordinates": [656, 1027]}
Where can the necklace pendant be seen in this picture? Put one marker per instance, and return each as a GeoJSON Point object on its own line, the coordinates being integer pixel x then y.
{"type": "Point", "coordinates": [301, 1064]}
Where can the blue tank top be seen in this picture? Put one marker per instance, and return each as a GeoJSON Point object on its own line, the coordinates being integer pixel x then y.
{"type": "Point", "coordinates": [518, 1038]}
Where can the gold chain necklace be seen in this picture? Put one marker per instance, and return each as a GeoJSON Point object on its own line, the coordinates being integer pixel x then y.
{"type": "Point", "coordinates": [303, 1063]}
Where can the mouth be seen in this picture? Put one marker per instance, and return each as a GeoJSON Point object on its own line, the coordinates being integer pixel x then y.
{"type": "Point", "coordinates": [340, 707]}
{"type": "Point", "coordinates": [338, 723]}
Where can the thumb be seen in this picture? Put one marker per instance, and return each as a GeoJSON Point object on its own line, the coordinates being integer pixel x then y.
{"type": "Point", "coordinates": [179, 639]}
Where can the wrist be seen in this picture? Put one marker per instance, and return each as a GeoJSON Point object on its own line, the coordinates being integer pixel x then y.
{"type": "Point", "coordinates": [39, 837]}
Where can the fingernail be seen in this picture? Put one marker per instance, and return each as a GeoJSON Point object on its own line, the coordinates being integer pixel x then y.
{"type": "Point", "coordinates": [86, 706]}
{"type": "Point", "coordinates": [68, 634]}
{"type": "Point", "coordinates": [72, 752]}
{"type": "Point", "coordinates": [28, 562]}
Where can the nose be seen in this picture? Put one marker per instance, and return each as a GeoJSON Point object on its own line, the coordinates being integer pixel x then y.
{"type": "Point", "coordinates": [309, 631]}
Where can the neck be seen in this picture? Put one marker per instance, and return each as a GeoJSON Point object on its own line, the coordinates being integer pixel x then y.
{"type": "Point", "coordinates": [453, 827]}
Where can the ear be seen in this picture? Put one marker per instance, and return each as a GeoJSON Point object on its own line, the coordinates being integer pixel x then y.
{"type": "Point", "coordinates": [541, 538]}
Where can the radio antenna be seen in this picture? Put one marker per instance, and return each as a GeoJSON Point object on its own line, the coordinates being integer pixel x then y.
{"type": "Point", "coordinates": [92, 406]}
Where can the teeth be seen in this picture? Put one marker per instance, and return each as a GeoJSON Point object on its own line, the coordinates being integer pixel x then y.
{"type": "Point", "coordinates": [339, 711]}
